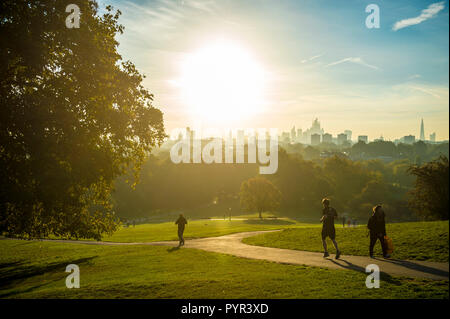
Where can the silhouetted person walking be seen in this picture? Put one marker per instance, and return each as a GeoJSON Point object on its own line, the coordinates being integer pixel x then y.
{"type": "Point", "coordinates": [377, 230]}
{"type": "Point", "coordinates": [181, 222]}
{"type": "Point", "coordinates": [328, 230]}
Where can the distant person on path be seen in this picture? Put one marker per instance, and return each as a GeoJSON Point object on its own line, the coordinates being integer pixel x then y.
{"type": "Point", "coordinates": [343, 221]}
{"type": "Point", "coordinates": [181, 222]}
{"type": "Point", "coordinates": [328, 230]}
{"type": "Point", "coordinates": [377, 230]}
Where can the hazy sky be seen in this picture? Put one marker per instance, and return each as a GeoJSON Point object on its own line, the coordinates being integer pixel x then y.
{"type": "Point", "coordinates": [318, 59]}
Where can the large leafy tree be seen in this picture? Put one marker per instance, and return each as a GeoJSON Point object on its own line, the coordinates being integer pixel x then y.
{"type": "Point", "coordinates": [73, 116]}
{"type": "Point", "coordinates": [260, 195]}
{"type": "Point", "coordinates": [430, 196]}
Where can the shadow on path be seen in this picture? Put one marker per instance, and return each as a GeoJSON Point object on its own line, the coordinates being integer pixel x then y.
{"type": "Point", "coordinates": [350, 266]}
{"type": "Point", "coordinates": [347, 265]}
{"type": "Point", "coordinates": [416, 266]}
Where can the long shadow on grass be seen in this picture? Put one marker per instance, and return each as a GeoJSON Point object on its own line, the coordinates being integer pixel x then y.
{"type": "Point", "coordinates": [12, 274]}
{"type": "Point", "coordinates": [171, 250]}
{"type": "Point", "coordinates": [7, 265]}
{"type": "Point", "coordinates": [384, 276]}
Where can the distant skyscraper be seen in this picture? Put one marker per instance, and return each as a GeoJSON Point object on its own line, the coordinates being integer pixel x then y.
{"type": "Point", "coordinates": [327, 138]}
{"type": "Point", "coordinates": [363, 138]}
{"type": "Point", "coordinates": [293, 134]}
{"type": "Point", "coordinates": [299, 135]}
{"type": "Point", "coordinates": [349, 134]}
{"type": "Point", "coordinates": [285, 138]}
{"type": "Point", "coordinates": [422, 131]}
{"type": "Point", "coordinates": [315, 127]}
{"type": "Point", "coordinates": [433, 137]}
{"type": "Point", "coordinates": [315, 139]}
{"type": "Point", "coordinates": [409, 139]}
{"type": "Point", "coordinates": [342, 138]}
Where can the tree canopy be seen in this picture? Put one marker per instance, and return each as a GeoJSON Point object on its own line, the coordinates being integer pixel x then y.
{"type": "Point", "coordinates": [74, 116]}
{"type": "Point", "coordinates": [260, 195]}
{"type": "Point", "coordinates": [430, 196]}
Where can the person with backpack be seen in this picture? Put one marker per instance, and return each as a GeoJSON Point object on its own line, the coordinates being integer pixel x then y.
{"type": "Point", "coordinates": [377, 230]}
{"type": "Point", "coordinates": [328, 230]}
{"type": "Point", "coordinates": [181, 222]}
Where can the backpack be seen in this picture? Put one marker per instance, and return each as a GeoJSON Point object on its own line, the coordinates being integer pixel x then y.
{"type": "Point", "coordinates": [389, 245]}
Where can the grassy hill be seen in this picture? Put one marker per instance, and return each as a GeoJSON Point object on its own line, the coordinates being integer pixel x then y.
{"type": "Point", "coordinates": [197, 229]}
{"type": "Point", "coordinates": [414, 240]}
{"type": "Point", "coordinates": [36, 269]}
{"type": "Point", "coordinates": [32, 269]}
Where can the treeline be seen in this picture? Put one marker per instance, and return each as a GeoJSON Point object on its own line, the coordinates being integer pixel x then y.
{"type": "Point", "coordinates": [204, 190]}
{"type": "Point", "coordinates": [417, 153]}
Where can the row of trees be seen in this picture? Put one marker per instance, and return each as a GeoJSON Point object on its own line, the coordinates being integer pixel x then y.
{"type": "Point", "coordinates": [430, 196]}
{"type": "Point", "coordinates": [418, 152]}
{"type": "Point", "coordinates": [211, 189]}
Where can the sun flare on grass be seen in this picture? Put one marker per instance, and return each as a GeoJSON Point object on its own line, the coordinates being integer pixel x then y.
{"type": "Point", "coordinates": [222, 82]}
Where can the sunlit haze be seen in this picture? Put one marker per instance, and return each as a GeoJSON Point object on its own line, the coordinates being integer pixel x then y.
{"type": "Point", "coordinates": [283, 63]}
{"type": "Point", "coordinates": [220, 83]}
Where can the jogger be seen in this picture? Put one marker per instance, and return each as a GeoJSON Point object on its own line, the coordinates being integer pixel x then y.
{"type": "Point", "coordinates": [181, 222]}
{"type": "Point", "coordinates": [328, 230]}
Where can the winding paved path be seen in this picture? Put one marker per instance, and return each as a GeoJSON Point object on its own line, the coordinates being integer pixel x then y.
{"type": "Point", "coordinates": [232, 245]}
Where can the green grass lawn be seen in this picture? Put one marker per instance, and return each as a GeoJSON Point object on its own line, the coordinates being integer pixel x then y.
{"type": "Point", "coordinates": [415, 240]}
{"type": "Point", "coordinates": [197, 229]}
{"type": "Point", "coordinates": [31, 269]}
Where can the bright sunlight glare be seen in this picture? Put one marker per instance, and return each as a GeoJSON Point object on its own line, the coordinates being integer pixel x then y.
{"type": "Point", "coordinates": [222, 83]}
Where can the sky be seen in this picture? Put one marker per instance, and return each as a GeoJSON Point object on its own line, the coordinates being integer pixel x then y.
{"type": "Point", "coordinates": [293, 61]}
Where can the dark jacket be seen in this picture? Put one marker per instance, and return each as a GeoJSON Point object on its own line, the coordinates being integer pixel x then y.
{"type": "Point", "coordinates": [377, 224]}
{"type": "Point", "coordinates": [181, 221]}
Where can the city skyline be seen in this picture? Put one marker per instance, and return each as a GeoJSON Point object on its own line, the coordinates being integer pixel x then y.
{"type": "Point", "coordinates": [356, 137]}
{"type": "Point", "coordinates": [314, 135]}
{"type": "Point", "coordinates": [298, 60]}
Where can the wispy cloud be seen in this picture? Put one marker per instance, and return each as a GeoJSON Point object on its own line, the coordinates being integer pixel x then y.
{"type": "Point", "coordinates": [414, 76]}
{"type": "Point", "coordinates": [166, 14]}
{"type": "Point", "coordinates": [428, 13]}
{"type": "Point", "coordinates": [356, 60]}
{"type": "Point", "coordinates": [426, 91]}
{"type": "Point", "coordinates": [312, 58]}
{"type": "Point", "coordinates": [207, 6]}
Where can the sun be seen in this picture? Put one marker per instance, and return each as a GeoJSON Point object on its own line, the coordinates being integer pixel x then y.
{"type": "Point", "coordinates": [222, 83]}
